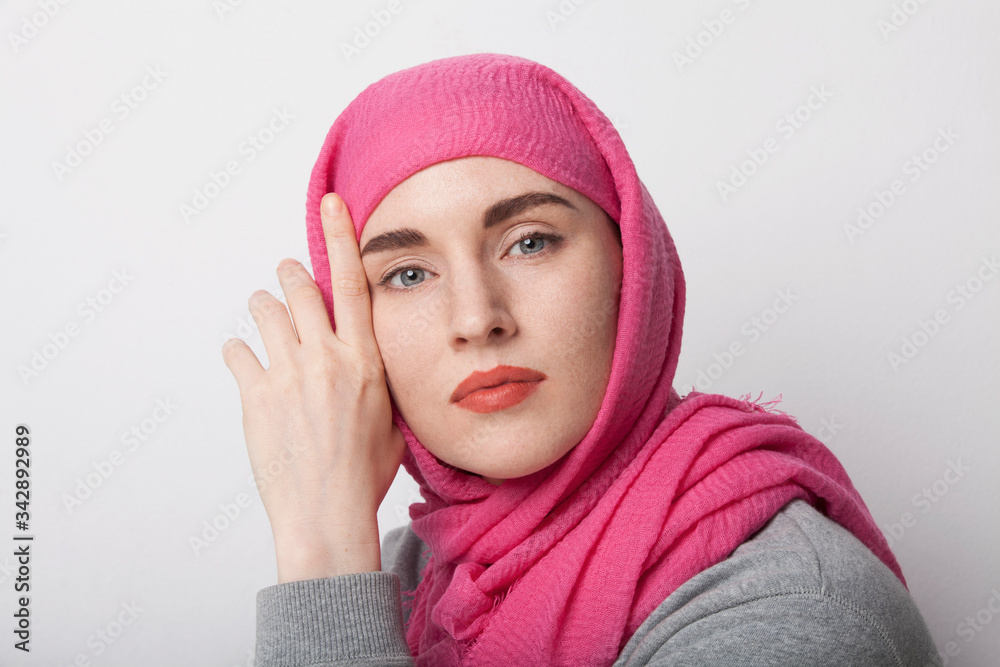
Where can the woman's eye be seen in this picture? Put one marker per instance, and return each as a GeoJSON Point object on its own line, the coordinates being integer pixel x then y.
{"type": "Point", "coordinates": [531, 244]}
{"type": "Point", "coordinates": [408, 276]}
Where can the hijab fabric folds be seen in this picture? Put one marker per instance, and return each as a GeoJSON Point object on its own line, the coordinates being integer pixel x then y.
{"type": "Point", "coordinates": [560, 567]}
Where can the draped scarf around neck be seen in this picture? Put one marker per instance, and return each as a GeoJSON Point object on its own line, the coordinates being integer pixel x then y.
{"type": "Point", "coordinates": [560, 567]}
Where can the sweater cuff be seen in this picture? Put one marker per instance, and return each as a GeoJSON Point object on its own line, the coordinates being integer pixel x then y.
{"type": "Point", "coordinates": [336, 620]}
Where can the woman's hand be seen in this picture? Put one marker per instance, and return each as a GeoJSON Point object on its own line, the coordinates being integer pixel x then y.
{"type": "Point", "coordinates": [318, 422]}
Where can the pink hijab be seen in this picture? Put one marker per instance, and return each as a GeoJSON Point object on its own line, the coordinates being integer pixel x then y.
{"type": "Point", "coordinates": [560, 567]}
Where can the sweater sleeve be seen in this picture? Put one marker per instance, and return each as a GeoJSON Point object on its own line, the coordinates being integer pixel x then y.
{"type": "Point", "coordinates": [804, 591]}
{"type": "Point", "coordinates": [804, 628]}
{"type": "Point", "coordinates": [352, 619]}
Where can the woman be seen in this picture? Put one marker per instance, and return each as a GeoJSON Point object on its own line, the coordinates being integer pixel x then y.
{"type": "Point", "coordinates": [506, 307]}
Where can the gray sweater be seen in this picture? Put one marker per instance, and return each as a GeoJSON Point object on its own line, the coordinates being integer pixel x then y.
{"type": "Point", "coordinates": [801, 591]}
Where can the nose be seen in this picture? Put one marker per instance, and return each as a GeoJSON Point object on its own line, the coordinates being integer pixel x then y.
{"type": "Point", "coordinates": [480, 307]}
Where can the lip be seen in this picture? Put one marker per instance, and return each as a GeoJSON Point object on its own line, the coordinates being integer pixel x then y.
{"type": "Point", "coordinates": [496, 389]}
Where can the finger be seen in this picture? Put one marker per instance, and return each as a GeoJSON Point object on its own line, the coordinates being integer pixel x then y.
{"type": "Point", "coordinates": [352, 310]}
{"type": "Point", "coordinates": [304, 300]}
{"type": "Point", "coordinates": [275, 325]}
{"type": "Point", "coordinates": [241, 362]}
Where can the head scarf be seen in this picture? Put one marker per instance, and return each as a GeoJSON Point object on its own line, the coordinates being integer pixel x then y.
{"type": "Point", "coordinates": [560, 567]}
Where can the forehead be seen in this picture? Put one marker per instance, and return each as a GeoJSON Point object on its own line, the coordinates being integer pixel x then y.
{"type": "Point", "coordinates": [463, 185]}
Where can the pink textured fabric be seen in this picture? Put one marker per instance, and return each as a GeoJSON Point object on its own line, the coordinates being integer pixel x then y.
{"type": "Point", "coordinates": [562, 566]}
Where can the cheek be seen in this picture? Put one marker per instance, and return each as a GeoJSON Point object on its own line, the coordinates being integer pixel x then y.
{"type": "Point", "coordinates": [393, 339]}
{"type": "Point", "coordinates": [592, 341]}
{"type": "Point", "coordinates": [598, 285]}
{"type": "Point", "coordinates": [402, 331]}
{"type": "Point", "coordinates": [579, 317]}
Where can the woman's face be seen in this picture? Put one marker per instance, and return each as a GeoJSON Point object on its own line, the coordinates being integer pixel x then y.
{"type": "Point", "coordinates": [489, 263]}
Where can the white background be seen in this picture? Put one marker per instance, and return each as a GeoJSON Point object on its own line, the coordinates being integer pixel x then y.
{"type": "Point", "coordinates": [896, 427]}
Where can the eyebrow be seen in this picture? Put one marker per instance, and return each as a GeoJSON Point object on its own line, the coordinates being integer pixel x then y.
{"type": "Point", "coordinates": [504, 209]}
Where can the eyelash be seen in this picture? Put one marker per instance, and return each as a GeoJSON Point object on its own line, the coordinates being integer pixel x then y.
{"type": "Point", "coordinates": [550, 239]}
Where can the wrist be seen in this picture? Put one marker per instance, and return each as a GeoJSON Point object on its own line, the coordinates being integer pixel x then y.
{"type": "Point", "coordinates": [304, 552]}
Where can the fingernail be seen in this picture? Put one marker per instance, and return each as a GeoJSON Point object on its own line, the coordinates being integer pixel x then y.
{"type": "Point", "coordinates": [287, 262]}
{"type": "Point", "coordinates": [332, 205]}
